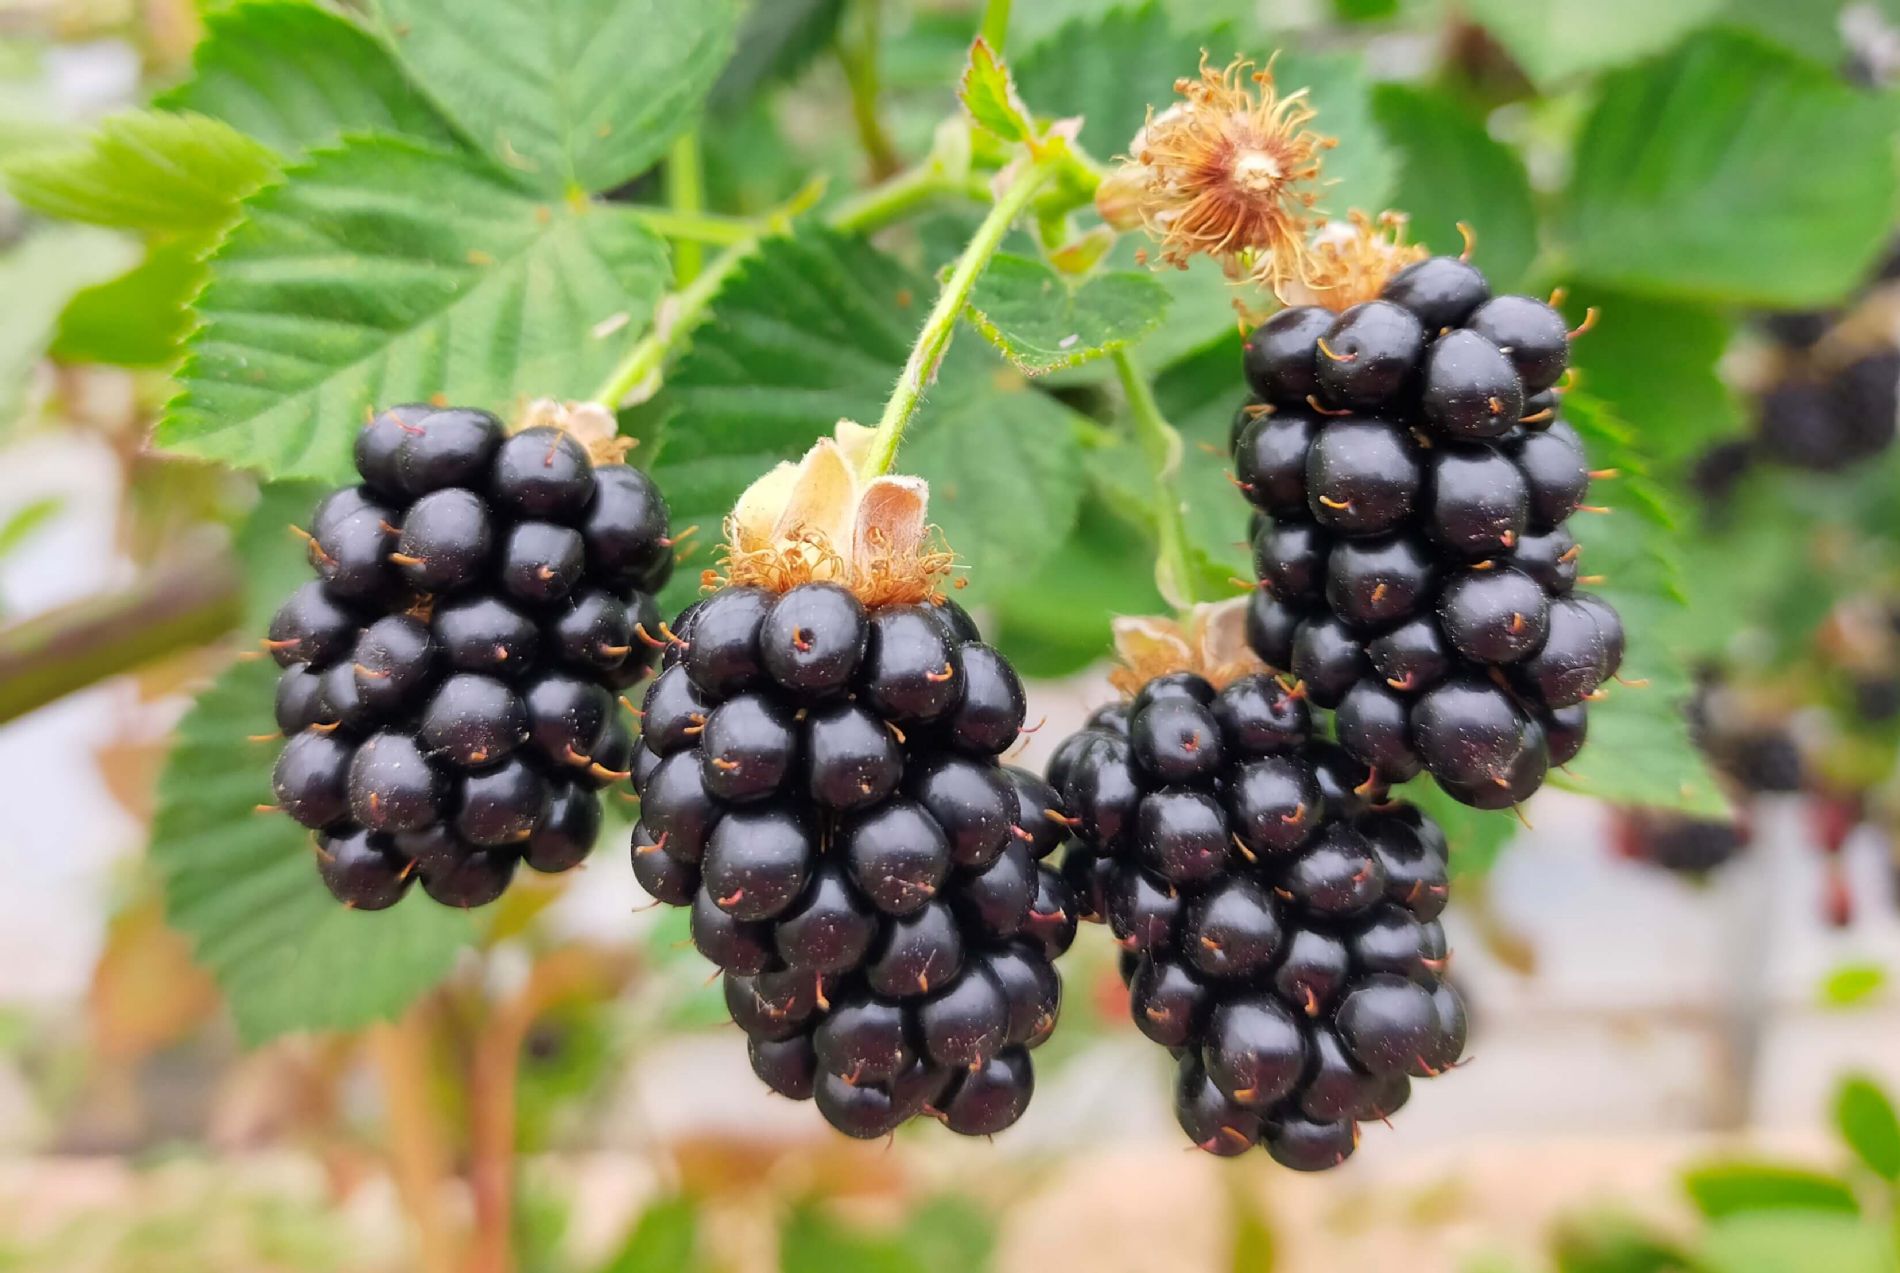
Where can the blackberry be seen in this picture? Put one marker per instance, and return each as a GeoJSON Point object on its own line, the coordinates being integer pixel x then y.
{"type": "Point", "coordinates": [821, 778]}
{"type": "Point", "coordinates": [1417, 574]}
{"type": "Point", "coordinates": [1279, 928]}
{"type": "Point", "coordinates": [449, 678]}
{"type": "Point", "coordinates": [1677, 842]}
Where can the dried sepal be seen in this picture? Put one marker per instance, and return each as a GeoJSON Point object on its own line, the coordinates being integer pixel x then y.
{"type": "Point", "coordinates": [591, 423]}
{"type": "Point", "coordinates": [1228, 172]}
{"type": "Point", "coordinates": [1212, 644]}
{"type": "Point", "coordinates": [1349, 262]}
{"type": "Point", "coordinates": [819, 520]}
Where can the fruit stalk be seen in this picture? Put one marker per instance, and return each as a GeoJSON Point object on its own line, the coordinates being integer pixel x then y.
{"type": "Point", "coordinates": [1161, 447]}
{"type": "Point", "coordinates": [686, 195]}
{"type": "Point", "coordinates": [932, 342]}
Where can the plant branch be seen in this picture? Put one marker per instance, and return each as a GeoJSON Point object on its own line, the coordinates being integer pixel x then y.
{"type": "Point", "coordinates": [858, 59]}
{"type": "Point", "coordinates": [494, 1073]}
{"type": "Point", "coordinates": [1161, 447]}
{"type": "Point", "coordinates": [170, 609]}
{"type": "Point", "coordinates": [686, 195]}
{"type": "Point", "coordinates": [921, 367]}
{"type": "Point", "coordinates": [418, 1151]}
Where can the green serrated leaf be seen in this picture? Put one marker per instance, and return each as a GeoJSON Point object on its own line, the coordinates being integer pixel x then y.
{"type": "Point", "coordinates": [1450, 171]}
{"type": "Point", "coordinates": [1738, 1187]}
{"type": "Point", "coordinates": [243, 887]}
{"type": "Point", "coordinates": [1731, 170]}
{"type": "Point", "coordinates": [987, 92]}
{"type": "Point", "coordinates": [1795, 1242]}
{"type": "Point", "coordinates": [815, 329]}
{"type": "Point", "coordinates": [580, 95]}
{"type": "Point", "coordinates": [1042, 321]}
{"type": "Point", "coordinates": [664, 1240]}
{"type": "Point", "coordinates": [1655, 362]}
{"type": "Point", "coordinates": [386, 272]}
{"type": "Point", "coordinates": [297, 76]}
{"type": "Point", "coordinates": [144, 170]}
{"type": "Point", "coordinates": [1554, 39]}
{"type": "Point", "coordinates": [1639, 750]}
{"type": "Point", "coordinates": [1867, 1122]}
{"type": "Point", "coordinates": [138, 319]}
{"type": "Point", "coordinates": [1056, 621]}
{"type": "Point", "coordinates": [1111, 66]}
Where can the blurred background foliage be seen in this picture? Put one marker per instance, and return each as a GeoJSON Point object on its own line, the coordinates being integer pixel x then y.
{"type": "Point", "coordinates": [1716, 176]}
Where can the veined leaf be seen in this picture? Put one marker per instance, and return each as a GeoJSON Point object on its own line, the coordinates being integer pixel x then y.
{"type": "Point", "coordinates": [385, 272]}
{"type": "Point", "coordinates": [815, 329]}
{"type": "Point", "coordinates": [138, 319]}
{"type": "Point", "coordinates": [1552, 39]}
{"type": "Point", "coordinates": [1868, 1123]}
{"type": "Point", "coordinates": [579, 95]}
{"type": "Point", "coordinates": [1042, 321]}
{"type": "Point", "coordinates": [1731, 170]}
{"type": "Point", "coordinates": [243, 887]}
{"type": "Point", "coordinates": [1739, 1187]}
{"type": "Point", "coordinates": [144, 170]}
{"type": "Point", "coordinates": [776, 41]}
{"type": "Point", "coordinates": [296, 75]}
{"type": "Point", "coordinates": [1450, 171]}
{"type": "Point", "coordinates": [989, 94]}
{"type": "Point", "coordinates": [1639, 750]}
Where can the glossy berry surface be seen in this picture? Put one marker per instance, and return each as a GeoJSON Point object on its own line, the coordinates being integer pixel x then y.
{"type": "Point", "coordinates": [821, 783]}
{"type": "Point", "coordinates": [1410, 527]}
{"type": "Point", "coordinates": [1263, 919]}
{"type": "Point", "coordinates": [451, 676]}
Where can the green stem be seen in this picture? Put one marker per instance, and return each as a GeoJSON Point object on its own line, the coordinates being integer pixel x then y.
{"type": "Point", "coordinates": [903, 194]}
{"type": "Point", "coordinates": [995, 28]}
{"type": "Point", "coordinates": [681, 312]}
{"type": "Point", "coordinates": [686, 195]}
{"type": "Point", "coordinates": [1161, 447]}
{"type": "Point", "coordinates": [921, 367]}
{"type": "Point", "coordinates": [858, 59]}
{"type": "Point", "coordinates": [691, 228]}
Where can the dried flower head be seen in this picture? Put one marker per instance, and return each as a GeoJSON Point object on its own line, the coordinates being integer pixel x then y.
{"type": "Point", "coordinates": [819, 520]}
{"type": "Point", "coordinates": [1229, 171]}
{"type": "Point", "coordinates": [1350, 261]}
{"type": "Point", "coordinates": [1211, 642]}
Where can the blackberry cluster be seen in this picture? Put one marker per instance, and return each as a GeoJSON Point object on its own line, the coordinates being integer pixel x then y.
{"type": "Point", "coordinates": [1280, 932]}
{"type": "Point", "coordinates": [1826, 418]}
{"type": "Point", "coordinates": [821, 785]}
{"type": "Point", "coordinates": [450, 678]}
{"type": "Point", "coordinates": [1413, 477]}
{"type": "Point", "coordinates": [1677, 842]}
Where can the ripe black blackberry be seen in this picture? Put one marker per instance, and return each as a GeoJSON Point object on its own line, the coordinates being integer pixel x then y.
{"type": "Point", "coordinates": [1278, 914]}
{"type": "Point", "coordinates": [1412, 477]}
{"type": "Point", "coordinates": [449, 679]}
{"type": "Point", "coordinates": [820, 783]}
{"type": "Point", "coordinates": [1676, 842]}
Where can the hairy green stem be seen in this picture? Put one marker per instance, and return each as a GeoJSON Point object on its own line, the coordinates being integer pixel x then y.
{"type": "Point", "coordinates": [170, 610]}
{"type": "Point", "coordinates": [921, 367]}
{"type": "Point", "coordinates": [686, 195]}
{"type": "Point", "coordinates": [1161, 447]}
